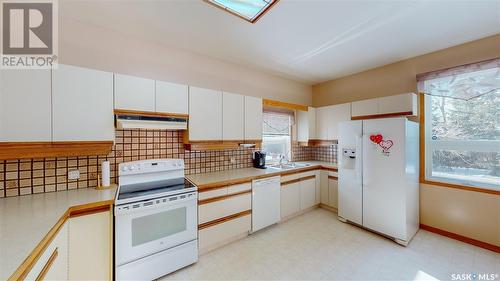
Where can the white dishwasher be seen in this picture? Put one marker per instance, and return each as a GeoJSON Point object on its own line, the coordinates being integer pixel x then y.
{"type": "Point", "coordinates": [266, 200]}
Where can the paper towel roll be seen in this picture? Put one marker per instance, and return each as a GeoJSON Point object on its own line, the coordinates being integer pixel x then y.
{"type": "Point", "coordinates": [105, 173]}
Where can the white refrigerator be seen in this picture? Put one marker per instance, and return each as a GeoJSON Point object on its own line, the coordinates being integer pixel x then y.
{"type": "Point", "coordinates": [378, 176]}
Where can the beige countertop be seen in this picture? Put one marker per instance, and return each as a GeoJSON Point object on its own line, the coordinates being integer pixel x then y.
{"type": "Point", "coordinates": [25, 220]}
{"type": "Point", "coordinates": [227, 177]}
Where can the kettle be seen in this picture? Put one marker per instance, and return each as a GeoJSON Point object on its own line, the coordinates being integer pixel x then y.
{"type": "Point", "coordinates": [259, 160]}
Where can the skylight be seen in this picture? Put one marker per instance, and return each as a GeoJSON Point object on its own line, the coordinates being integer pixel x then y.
{"type": "Point", "coordinates": [250, 10]}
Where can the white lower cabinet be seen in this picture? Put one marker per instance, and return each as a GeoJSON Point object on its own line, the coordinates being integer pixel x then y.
{"type": "Point", "coordinates": [329, 189]}
{"type": "Point", "coordinates": [217, 235]}
{"type": "Point", "coordinates": [308, 193]}
{"type": "Point", "coordinates": [333, 192]}
{"type": "Point", "coordinates": [53, 264]}
{"type": "Point", "coordinates": [90, 247]}
{"type": "Point", "coordinates": [298, 193]}
{"type": "Point", "coordinates": [290, 199]}
{"type": "Point", "coordinates": [224, 214]}
{"type": "Point", "coordinates": [223, 208]}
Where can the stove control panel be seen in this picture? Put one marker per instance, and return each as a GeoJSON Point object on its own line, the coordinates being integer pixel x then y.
{"type": "Point", "coordinates": [150, 166]}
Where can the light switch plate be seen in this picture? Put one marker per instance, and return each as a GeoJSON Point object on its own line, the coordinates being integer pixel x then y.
{"type": "Point", "coordinates": [73, 174]}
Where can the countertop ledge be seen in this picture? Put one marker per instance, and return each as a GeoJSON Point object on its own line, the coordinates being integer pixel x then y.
{"type": "Point", "coordinates": [213, 180]}
{"type": "Point", "coordinates": [28, 223]}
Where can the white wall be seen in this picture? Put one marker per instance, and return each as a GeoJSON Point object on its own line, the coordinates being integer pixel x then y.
{"type": "Point", "coordinates": [95, 47]}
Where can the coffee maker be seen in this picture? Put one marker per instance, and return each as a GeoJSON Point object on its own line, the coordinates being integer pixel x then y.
{"type": "Point", "coordinates": [259, 160]}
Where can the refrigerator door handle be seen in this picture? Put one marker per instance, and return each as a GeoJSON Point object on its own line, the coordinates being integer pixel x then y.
{"type": "Point", "coordinates": [359, 160]}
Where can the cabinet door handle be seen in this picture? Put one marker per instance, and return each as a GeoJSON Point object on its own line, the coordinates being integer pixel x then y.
{"type": "Point", "coordinates": [48, 265]}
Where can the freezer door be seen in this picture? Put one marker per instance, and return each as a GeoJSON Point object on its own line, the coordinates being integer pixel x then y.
{"type": "Point", "coordinates": [350, 171]}
{"type": "Point", "coordinates": [384, 177]}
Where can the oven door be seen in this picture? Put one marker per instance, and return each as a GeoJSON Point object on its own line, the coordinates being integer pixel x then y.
{"type": "Point", "coordinates": [145, 230]}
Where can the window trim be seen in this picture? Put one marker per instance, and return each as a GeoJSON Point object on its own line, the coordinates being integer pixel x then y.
{"type": "Point", "coordinates": [253, 20]}
{"type": "Point", "coordinates": [423, 152]}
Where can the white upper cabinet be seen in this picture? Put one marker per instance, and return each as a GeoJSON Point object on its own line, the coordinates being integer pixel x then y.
{"type": "Point", "coordinates": [253, 118]}
{"type": "Point", "coordinates": [306, 125]}
{"type": "Point", "coordinates": [365, 107]}
{"type": "Point", "coordinates": [25, 105]}
{"type": "Point", "coordinates": [205, 114]}
{"type": "Point", "coordinates": [82, 104]}
{"type": "Point", "coordinates": [233, 116]}
{"type": "Point", "coordinates": [134, 93]}
{"type": "Point", "coordinates": [404, 103]}
{"type": "Point", "coordinates": [171, 98]}
{"type": "Point", "coordinates": [328, 119]}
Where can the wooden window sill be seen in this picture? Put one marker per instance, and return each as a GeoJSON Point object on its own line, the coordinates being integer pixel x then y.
{"type": "Point", "coordinates": [459, 186]}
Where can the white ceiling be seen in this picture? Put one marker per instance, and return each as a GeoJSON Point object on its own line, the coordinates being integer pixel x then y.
{"type": "Point", "coordinates": [305, 40]}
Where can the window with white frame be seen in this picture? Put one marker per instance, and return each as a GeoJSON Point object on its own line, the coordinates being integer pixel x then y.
{"type": "Point", "coordinates": [462, 125]}
{"type": "Point", "coordinates": [277, 135]}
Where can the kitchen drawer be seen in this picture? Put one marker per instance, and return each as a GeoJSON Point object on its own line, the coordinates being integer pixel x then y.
{"type": "Point", "coordinates": [297, 176]}
{"type": "Point", "coordinates": [213, 236]}
{"type": "Point", "coordinates": [232, 189]}
{"type": "Point", "coordinates": [202, 195]}
{"type": "Point", "coordinates": [224, 207]}
{"type": "Point", "coordinates": [333, 174]}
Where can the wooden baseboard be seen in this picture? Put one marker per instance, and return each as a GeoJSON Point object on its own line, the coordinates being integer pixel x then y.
{"type": "Point", "coordinates": [461, 238]}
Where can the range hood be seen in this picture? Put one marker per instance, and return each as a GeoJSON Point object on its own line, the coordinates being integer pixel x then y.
{"type": "Point", "coordinates": [124, 121]}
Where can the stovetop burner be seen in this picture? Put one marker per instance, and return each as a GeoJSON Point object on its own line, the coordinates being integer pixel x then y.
{"type": "Point", "coordinates": [149, 189]}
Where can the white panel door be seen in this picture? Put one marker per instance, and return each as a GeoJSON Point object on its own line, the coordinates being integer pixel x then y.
{"type": "Point", "coordinates": [302, 126]}
{"type": "Point", "coordinates": [384, 178]}
{"type": "Point", "coordinates": [253, 118]}
{"type": "Point", "coordinates": [134, 93]}
{"type": "Point", "coordinates": [365, 107]}
{"type": "Point", "coordinates": [350, 189]}
{"type": "Point", "coordinates": [233, 116]}
{"type": "Point", "coordinates": [333, 186]}
{"type": "Point", "coordinates": [398, 103]}
{"type": "Point", "coordinates": [336, 114]}
{"type": "Point", "coordinates": [205, 114]}
{"type": "Point", "coordinates": [322, 122]}
{"type": "Point", "coordinates": [307, 193]}
{"type": "Point", "coordinates": [306, 124]}
{"type": "Point", "coordinates": [25, 105]}
{"type": "Point", "coordinates": [171, 98]}
{"type": "Point", "coordinates": [90, 247]}
{"type": "Point", "coordinates": [82, 104]}
{"type": "Point", "coordinates": [290, 199]}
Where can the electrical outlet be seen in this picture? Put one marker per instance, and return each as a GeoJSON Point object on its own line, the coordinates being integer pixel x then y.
{"type": "Point", "coordinates": [232, 160]}
{"type": "Point", "coordinates": [73, 174]}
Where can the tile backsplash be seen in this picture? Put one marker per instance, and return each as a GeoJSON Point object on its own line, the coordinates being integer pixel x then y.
{"type": "Point", "coordinates": [28, 176]}
{"type": "Point", "coordinates": [320, 153]}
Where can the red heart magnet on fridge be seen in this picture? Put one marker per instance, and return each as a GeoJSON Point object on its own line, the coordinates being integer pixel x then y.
{"type": "Point", "coordinates": [376, 138]}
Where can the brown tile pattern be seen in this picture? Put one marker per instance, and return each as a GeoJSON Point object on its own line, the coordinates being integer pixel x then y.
{"type": "Point", "coordinates": [322, 153]}
{"type": "Point", "coordinates": [28, 176]}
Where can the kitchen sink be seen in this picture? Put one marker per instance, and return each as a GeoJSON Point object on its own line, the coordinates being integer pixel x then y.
{"type": "Point", "coordinates": [289, 166]}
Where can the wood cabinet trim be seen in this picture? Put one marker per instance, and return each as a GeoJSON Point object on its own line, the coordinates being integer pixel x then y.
{"type": "Point", "coordinates": [318, 142]}
{"type": "Point", "coordinates": [384, 115]}
{"type": "Point", "coordinates": [224, 219]}
{"type": "Point", "coordinates": [308, 178]}
{"type": "Point", "coordinates": [333, 178]}
{"type": "Point", "coordinates": [24, 150]}
{"type": "Point", "coordinates": [222, 184]}
{"type": "Point", "coordinates": [283, 184]}
{"type": "Point", "coordinates": [462, 238]}
{"type": "Point", "coordinates": [286, 105]}
{"type": "Point", "coordinates": [27, 265]}
{"type": "Point", "coordinates": [149, 113]}
{"type": "Point", "coordinates": [223, 197]}
{"type": "Point", "coordinates": [48, 265]}
{"type": "Point", "coordinates": [204, 145]}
